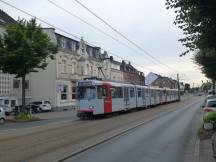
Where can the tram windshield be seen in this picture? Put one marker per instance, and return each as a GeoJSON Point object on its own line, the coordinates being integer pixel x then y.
{"type": "Point", "coordinates": [86, 92]}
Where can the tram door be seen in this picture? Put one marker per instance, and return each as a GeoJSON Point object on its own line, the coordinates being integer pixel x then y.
{"type": "Point", "coordinates": [107, 98]}
{"type": "Point", "coordinates": [126, 97]}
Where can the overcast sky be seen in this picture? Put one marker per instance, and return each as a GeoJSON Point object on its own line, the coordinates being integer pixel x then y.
{"type": "Point", "coordinates": [145, 22]}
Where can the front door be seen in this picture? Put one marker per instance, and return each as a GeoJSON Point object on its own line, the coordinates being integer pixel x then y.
{"type": "Point", "coordinates": [107, 98]}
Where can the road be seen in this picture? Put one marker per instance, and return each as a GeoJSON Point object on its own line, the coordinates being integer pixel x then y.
{"type": "Point", "coordinates": [46, 118]}
{"type": "Point", "coordinates": [169, 138]}
{"type": "Point", "coordinates": [163, 127]}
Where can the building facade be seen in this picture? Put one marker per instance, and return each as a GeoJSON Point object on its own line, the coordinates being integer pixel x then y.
{"type": "Point", "coordinates": [74, 61]}
{"type": "Point", "coordinates": [157, 80]}
{"type": "Point", "coordinates": [131, 74]}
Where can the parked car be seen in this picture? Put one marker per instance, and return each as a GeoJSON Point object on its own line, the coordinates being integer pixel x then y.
{"type": "Point", "coordinates": [39, 106]}
{"type": "Point", "coordinates": [210, 106]}
{"type": "Point", "coordinates": [8, 104]}
{"type": "Point", "coordinates": [2, 116]}
{"type": "Point", "coordinates": [208, 97]}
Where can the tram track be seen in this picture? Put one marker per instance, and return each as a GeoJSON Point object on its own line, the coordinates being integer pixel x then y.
{"type": "Point", "coordinates": [123, 132]}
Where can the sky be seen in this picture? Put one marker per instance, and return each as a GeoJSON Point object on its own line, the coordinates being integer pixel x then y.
{"type": "Point", "coordinates": [145, 22]}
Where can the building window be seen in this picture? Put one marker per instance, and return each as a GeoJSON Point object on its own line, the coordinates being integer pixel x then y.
{"type": "Point", "coordinates": [91, 70]}
{"type": "Point", "coordinates": [64, 66]}
{"type": "Point", "coordinates": [26, 84]}
{"type": "Point", "coordinates": [73, 92]}
{"type": "Point", "coordinates": [73, 46]}
{"type": "Point", "coordinates": [16, 84]}
{"type": "Point", "coordinates": [63, 43]}
{"type": "Point", "coordinates": [87, 69]}
{"type": "Point", "coordinates": [82, 70]}
{"type": "Point", "coordinates": [64, 92]}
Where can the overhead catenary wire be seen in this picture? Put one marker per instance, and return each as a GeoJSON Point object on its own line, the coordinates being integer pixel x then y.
{"type": "Point", "coordinates": [58, 28]}
{"type": "Point", "coordinates": [93, 26]}
{"type": "Point", "coordinates": [122, 35]}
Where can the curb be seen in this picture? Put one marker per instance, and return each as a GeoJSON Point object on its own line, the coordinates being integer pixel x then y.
{"type": "Point", "coordinates": [196, 157]}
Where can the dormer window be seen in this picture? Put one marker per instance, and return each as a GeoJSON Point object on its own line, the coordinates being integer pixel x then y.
{"type": "Point", "coordinates": [2, 21]}
{"type": "Point", "coordinates": [63, 43]}
{"type": "Point", "coordinates": [83, 50]}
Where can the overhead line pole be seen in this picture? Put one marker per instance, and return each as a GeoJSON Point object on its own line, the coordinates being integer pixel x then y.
{"type": "Point", "coordinates": [179, 96]}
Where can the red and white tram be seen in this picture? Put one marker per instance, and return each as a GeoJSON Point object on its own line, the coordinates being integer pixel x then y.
{"type": "Point", "coordinates": [96, 97]}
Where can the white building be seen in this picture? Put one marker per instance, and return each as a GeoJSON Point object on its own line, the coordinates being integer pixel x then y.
{"type": "Point", "coordinates": [150, 78]}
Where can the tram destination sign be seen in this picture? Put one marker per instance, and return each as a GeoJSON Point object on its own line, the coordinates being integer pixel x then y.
{"type": "Point", "coordinates": [84, 84]}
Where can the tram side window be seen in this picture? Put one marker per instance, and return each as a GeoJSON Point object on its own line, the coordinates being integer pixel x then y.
{"type": "Point", "coordinates": [143, 93]}
{"type": "Point", "coordinates": [102, 92]}
{"type": "Point", "coordinates": [152, 93]}
{"type": "Point", "coordinates": [99, 92]}
{"type": "Point", "coordinates": [132, 92]}
{"type": "Point", "coordinates": [119, 92]}
{"type": "Point", "coordinates": [146, 92]}
{"type": "Point", "coordinates": [139, 92]}
{"type": "Point", "coordinates": [114, 93]}
{"type": "Point", "coordinates": [105, 92]}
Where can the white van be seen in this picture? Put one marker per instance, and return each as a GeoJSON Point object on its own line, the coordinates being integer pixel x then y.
{"type": "Point", "coordinates": [8, 104]}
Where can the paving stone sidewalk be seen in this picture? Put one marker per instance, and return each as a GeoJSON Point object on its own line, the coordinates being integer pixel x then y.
{"type": "Point", "coordinates": [205, 151]}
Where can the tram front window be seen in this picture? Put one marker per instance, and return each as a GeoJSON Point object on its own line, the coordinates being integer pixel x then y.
{"type": "Point", "coordinates": [86, 93]}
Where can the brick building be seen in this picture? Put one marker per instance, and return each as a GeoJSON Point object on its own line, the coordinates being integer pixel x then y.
{"type": "Point", "coordinates": [131, 74]}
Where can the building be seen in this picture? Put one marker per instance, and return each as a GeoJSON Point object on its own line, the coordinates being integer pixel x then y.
{"type": "Point", "coordinates": [10, 86]}
{"type": "Point", "coordinates": [157, 80]}
{"type": "Point", "coordinates": [74, 61]}
{"type": "Point", "coordinates": [112, 69]}
{"type": "Point", "coordinates": [131, 74]}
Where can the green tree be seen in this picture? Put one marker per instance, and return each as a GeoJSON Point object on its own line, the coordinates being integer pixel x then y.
{"type": "Point", "coordinates": [187, 87]}
{"type": "Point", "coordinates": [197, 20]}
{"type": "Point", "coordinates": [25, 48]}
{"type": "Point", "coordinates": [206, 59]}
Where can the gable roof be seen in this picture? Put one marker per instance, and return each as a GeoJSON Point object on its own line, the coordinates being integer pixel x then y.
{"type": "Point", "coordinates": [5, 18]}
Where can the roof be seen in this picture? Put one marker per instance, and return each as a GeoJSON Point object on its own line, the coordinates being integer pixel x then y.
{"type": "Point", "coordinates": [5, 18]}
{"type": "Point", "coordinates": [210, 100]}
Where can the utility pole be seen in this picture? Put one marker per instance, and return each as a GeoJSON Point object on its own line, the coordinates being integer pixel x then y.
{"type": "Point", "coordinates": [179, 97]}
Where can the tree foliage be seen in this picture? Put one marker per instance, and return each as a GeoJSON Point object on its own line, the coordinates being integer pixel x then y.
{"type": "Point", "coordinates": [197, 19]}
{"type": "Point", "coordinates": [25, 48]}
{"type": "Point", "coordinates": [187, 87]}
{"type": "Point", "coordinates": [206, 59]}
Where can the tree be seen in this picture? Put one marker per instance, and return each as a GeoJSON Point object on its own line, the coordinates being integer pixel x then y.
{"type": "Point", "coordinates": [187, 87]}
{"type": "Point", "coordinates": [197, 20]}
{"type": "Point", "coordinates": [206, 59]}
{"type": "Point", "coordinates": [25, 48]}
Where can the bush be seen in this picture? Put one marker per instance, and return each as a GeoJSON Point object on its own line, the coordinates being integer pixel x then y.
{"type": "Point", "coordinates": [210, 118]}
{"type": "Point", "coordinates": [24, 117]}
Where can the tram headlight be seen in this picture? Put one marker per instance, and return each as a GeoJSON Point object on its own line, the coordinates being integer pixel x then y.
{"type": "Point", "coordinates": [91, 107]}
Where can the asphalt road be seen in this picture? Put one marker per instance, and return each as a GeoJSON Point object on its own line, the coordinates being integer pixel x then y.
{"type": "Point", "coordinates": [45, 119]}
{"type": "Point", "coordinates": [169, 138]}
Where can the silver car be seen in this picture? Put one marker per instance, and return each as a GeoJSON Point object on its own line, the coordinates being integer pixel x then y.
{"type": "Point", "coordinates": [2, 116]}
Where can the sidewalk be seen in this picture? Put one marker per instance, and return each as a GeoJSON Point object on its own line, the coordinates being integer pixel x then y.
{"type": "Point", "coordinates": [205, 151]}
